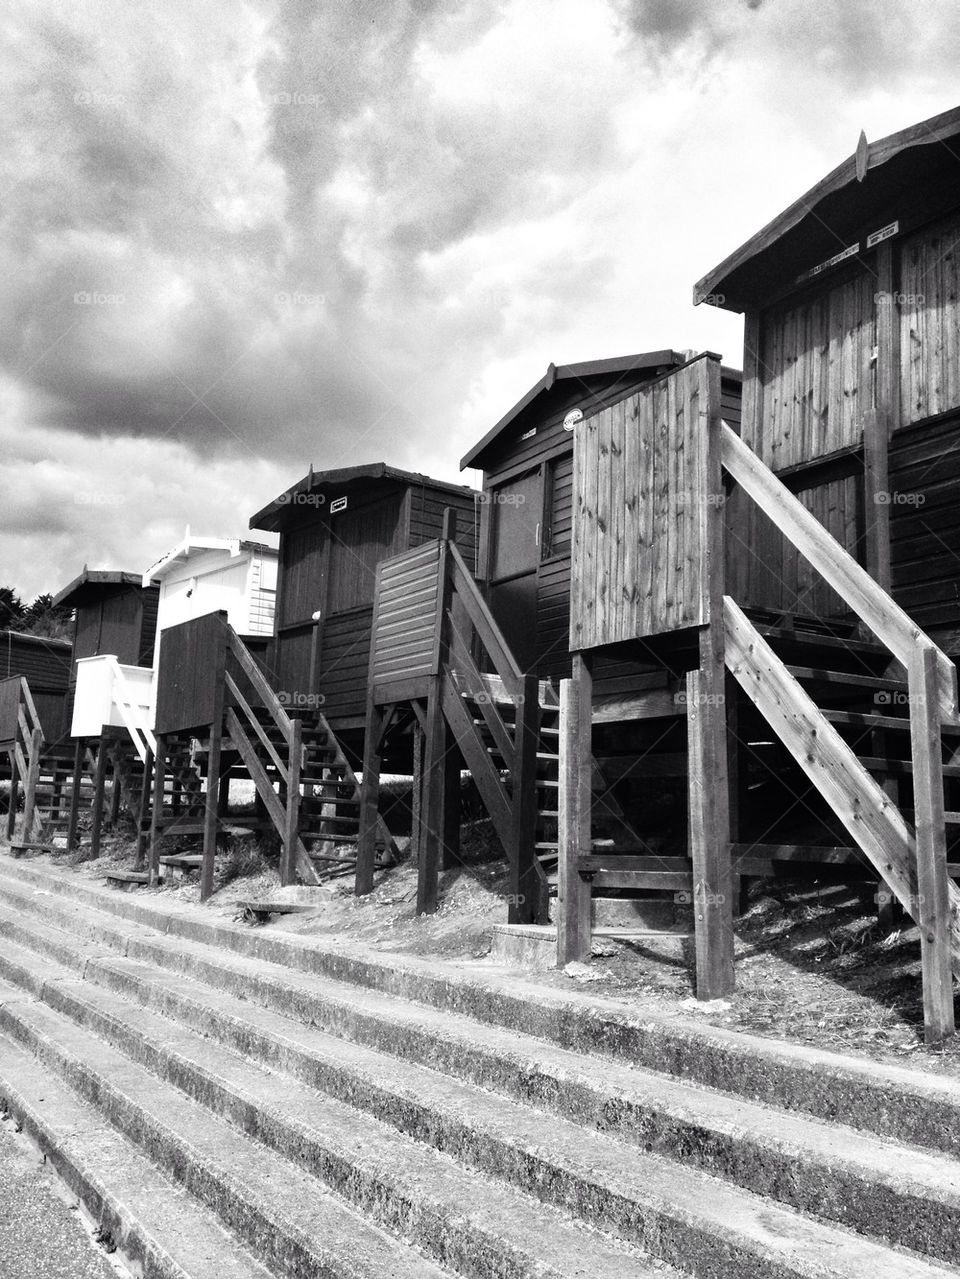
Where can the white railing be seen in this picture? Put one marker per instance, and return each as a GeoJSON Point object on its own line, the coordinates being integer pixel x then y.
{"type": "Point", "coordinates": [109, 694]}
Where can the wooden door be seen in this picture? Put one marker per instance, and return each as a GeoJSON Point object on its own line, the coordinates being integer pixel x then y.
{"type": "Point", "coordinates": [516, 523]}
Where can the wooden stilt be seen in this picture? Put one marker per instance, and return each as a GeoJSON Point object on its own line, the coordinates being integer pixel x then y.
{"type": "Point", "coordinates": [433, 821]}
{"type": "Point", "coordinates": [223, 795]}
{"type": "Point", "coordinates": [156, 810]}
{"type": "Point", "coordinates": [78, 753]}
{"type": "Point", "coordinates": [14, 795]}
{"type": "Point", "coordinates": [144, 810]}
{"type": "Point", "coordinates": [451, 804]}
{"type": "Point", "coordinates": [933, 893]}
{"type": "Point", "coordinates": [115, 787]}
{"type": "Point", "coordinates": [416, 799]}
{"type": "Point", "coordinates": [210, 823]}
{"type": "Point", "coordinates": [99, 784]}
{"type": "Point", "coordinates": [291, 833]}
{"type": "Point", "coordinates": [369, 799]}
{"type": "Point", "coordinates": [710, 835]}
{"type": "Point", "coordinates": [574, 805]}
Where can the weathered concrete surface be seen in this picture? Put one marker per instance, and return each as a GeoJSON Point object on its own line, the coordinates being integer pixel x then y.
{"type": "Point", "coordinates": [41, 1235]}
{"type": "Point", "coordinates": [492, 1124]}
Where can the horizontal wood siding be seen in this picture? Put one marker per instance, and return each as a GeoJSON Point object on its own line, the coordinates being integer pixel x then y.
{"type": "Point", "coordinates": [816, 373]}
{"type": "Point", "coordinates": [426, 519]}
{"type": "Point", "coordinates": [553, 620]}
{"type": "Point", "coordinates": [929, 305]}
{"type": "Point", "coordinates": [344, 664]}
{"type": "Point", "coordinates": [925, 522]}
{"type": "Point", "coordinates": [190, 655]}
{"type": "Point", "coordinates": [43, 663]}
{"type": "Point", "coordinates": [764, 570]}
{"type": "Point", "coordinates": [640, 500]}
{"type": "Point", "coordinates": [406, 615]}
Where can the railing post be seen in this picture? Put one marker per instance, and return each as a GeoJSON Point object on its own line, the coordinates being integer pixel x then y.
{"type": "Point", "coordinates": [156, 809]}
{"type": "Point", "coordinates": [292, 830]}
{"type": "Point", "coordinates": [574, 811]}
{"type": "Point", "coordinates": [75, 785]}
{"type": "Point", "coordinates": [933, 887]}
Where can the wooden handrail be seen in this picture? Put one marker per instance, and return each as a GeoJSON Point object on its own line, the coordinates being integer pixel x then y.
{"type": "Point", "coordinates": [255, 724]}
{"type": "Point", "coordinates": [140, 734]}
{"type": "Point", "coordinates": [482, 619]}
{"type": "Point", "coordinates": [34, 718]}
{"type": "Point", "coordinates": [259, 682]}
{"type": "Point", "coordinates": [888, 621]}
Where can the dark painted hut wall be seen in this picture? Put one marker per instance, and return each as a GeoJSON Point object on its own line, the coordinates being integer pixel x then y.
{"type": "Point", "coordinates": [45, 665]}
{"type": "Point", "coordinates": [328, 563]}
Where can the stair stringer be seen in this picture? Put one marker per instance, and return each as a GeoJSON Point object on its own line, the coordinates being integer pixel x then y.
{"type": "Point", "coordinates": [870, 817]}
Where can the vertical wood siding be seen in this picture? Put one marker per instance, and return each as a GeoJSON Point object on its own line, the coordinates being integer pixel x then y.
{"type": "Point", "coordinates": [815, 375]}
{"type": "Point", "coordinates": [640, 494]}
{"type": "Point", "coordinates": [186, 682]}
{"type": "Point", "coordinates": [929, 305]}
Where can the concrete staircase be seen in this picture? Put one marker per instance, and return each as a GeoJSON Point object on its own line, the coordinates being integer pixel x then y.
{"type": "Point", "coordinates": [238, 1102]}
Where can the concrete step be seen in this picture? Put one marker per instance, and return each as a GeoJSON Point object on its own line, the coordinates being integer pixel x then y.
{"type": "Point", "coordinates": [454, 1213]}
{"type": "Point", "coordinates": [889, 1101]}
{"type": "Point", "coordinates": [897, 1193]}
{"type": "Point", "coordinates": [293, 1224]}
{"type": "Point", "coordinates": [157, 1228]}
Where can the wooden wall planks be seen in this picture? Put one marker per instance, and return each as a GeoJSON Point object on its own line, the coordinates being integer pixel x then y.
{"type": "Point", "coordinates": [929, 304]}
{"type": "Point", "coordinates": [639, 494]}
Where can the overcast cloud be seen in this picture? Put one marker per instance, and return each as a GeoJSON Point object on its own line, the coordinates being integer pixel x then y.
{"type": "Point", "coordinates": [239, 239]}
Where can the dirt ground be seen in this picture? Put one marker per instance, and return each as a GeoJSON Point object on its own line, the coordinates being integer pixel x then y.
{"type": "Point", "coordinates": [812, 963]}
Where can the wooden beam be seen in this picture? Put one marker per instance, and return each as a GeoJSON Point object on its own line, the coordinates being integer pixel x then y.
{"type": "Point", "coordinates": [143, 810]}
{"type": "Point", "coordinates": [876, 498]}
{"type": "Point", "coordinates": [77, 779]}
{"type": "Point", "coordinates": [892, 626]}
{"type": "Point", "coordinates": [14, 794]}
{"type": "Point", "coordinates": [369, 798]}
{"type": "Point", "coordinates": [655, 703]}
{"type": "Point", "coordinates": [525, 904]}
{"type": "Point", "coordinates": [574, 805]}
{"type": "Point", "coordinates": [291, 832]}
{"type": "Point", "coordinates": [210, 822]}
{"type": "Point", "coordinates": [433, 815]}
{"type": "Point", "coordinates": [933, 886]}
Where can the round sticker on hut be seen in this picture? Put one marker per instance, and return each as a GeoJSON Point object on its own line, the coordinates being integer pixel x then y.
{"type": "Point", "coordinates": [338, 504]}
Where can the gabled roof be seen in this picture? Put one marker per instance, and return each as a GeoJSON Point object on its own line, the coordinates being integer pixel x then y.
{"type": "Point", "coordinates": [271, 517]}
{"type": "Point", "coordinates": [832, 214]}
{"type": "Point", "coordinates": [190, 547]}
{"type": "Point", "coordinates": [560, 372]}
{"type": "Point", "coordinates": [93, 580]}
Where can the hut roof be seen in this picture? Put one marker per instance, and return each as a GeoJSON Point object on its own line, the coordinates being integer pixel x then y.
{"type": "Point", "coordinates": [94, 581]}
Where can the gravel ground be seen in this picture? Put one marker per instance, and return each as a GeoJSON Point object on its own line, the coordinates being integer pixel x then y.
{"type": "Point", "coordinates": [41, 1236]}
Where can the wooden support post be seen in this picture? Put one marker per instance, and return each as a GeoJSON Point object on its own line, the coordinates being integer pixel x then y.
{"type": "Point", "coordinates": [710, 836]}
{"type": "Point", "coordinates": [223, 795]}
{"type": "Point", "coordinates": [75, 784]}
{"type": "Point", "coordinates": [574, 804]}
{"type": "Point", "coordinates": [416, 787]}
{"type": "Point", "coordinates": [143, 813]}
{"type": "Point", "coordinates": [435, 821]}
{"type": "Point", "coordinates": [876, 497]}
{"type": "Point", "coordinates": [291, 833]}
{"type": "Point", "coordinates": [526, 898]}
{"type": "Point", "coordinates": [210, 822]}
{"type": "Point", "coordinates": [116, 789]}
{"type": "Point", "coordinates": [156, 809]}
{"type": "Point", "coordinates": [99, 784]}
{"type": "Point", "coordinates": [369, 799]}
{"type": "Point", "coordinates": [707, 737]}
{"type": "Point", "coordinates": [31, 781]}
{"type": "Point", "coordinates": [433, 812]}
{"type": "Point", "coordinates": [933, 894]}
{"type": "Point", "coordinates": [14, 795]}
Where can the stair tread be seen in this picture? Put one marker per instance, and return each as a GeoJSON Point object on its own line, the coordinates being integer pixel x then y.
{"type": "Point", "coordinates": [867, 719]}
{"type": "Point", "coordinates": [90, 1156]}
{"type": "Point", "coordinates": [289, 1201]}
{"type": "Point", "coordinates": [379, 1154]}
{"type": "Point", "coordinates": [608, 1161]}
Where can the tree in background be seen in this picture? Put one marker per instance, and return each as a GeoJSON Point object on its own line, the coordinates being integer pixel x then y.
{"type": "Point", "coordinates": [11, 609]}
{"type": "Point", "coordinates": [40, 618]}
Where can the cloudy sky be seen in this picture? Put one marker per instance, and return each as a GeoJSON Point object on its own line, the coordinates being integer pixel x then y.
{"type": "Point", "coordinates": [239, 238]}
